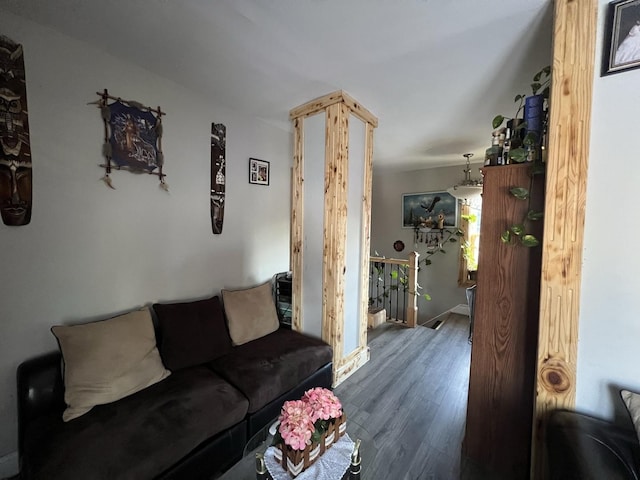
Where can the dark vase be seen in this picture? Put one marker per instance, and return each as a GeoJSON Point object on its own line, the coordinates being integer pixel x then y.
{"type": "Point", "coordinates": [534, 115]}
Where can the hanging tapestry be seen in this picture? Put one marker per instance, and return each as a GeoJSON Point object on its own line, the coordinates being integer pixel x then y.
{"type": "Point", "coordinates": [132, 136]}
{"type": "Point", "coordinates": [15, 151]}
{"type": "Point", "coordinates": [218, 168]}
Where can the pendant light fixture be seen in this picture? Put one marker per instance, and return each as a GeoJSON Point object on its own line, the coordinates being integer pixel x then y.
{"type": "Point", "coordinates": [468, 188]}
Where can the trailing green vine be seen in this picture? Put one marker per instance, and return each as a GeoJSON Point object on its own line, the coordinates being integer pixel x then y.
{"type": "Point", "coordinates": [519, 231]}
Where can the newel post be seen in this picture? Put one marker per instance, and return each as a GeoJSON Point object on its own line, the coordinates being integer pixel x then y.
{"type": "Point", "coordinates": [412, 301]}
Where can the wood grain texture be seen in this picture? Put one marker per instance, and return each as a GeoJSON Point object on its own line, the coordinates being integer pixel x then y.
{"type": "Point", "coordinates": [337, 108]}
{"type": "Point", "coordinates": [569, 133]}
{"type": "Point", "coordinates": [322, 103]}
{"type": "Point", "coordinates": [503, 356]}
{"type": "Point", "coordinates": [297, 209]}
{"type": "Point", "coordinates": [365, 240]}
{"type": "Point", "coordinates": [335, 229]}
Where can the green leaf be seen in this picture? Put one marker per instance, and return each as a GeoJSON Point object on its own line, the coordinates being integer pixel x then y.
{"type": "Point", "coordinates": [529, 241]}
{"type": "Point", "coordinates": [506, 236]}
{"type": "Point", "coordinates": [453, 240]}
{"type": "Point", "coordinates": [536, 77]}
{"type": "Point", "coordinates": [520, 193]}
{"type": "Point", "coordinates": [394, 274]}
{"type": "Point", "coordinates": [518, 155]}
{"type": "Point", "coordinates": [427, 297]}
{"type": "Point", "coordinates": [442, 251]}
{"type": "Point", "coordinates": [518, 97]}
{"type": "Point", "coordinates": [535, 87]}
{"type": "Point", "coordinates": [517, 229]}
{"type": "Point", "coordinates": [497, 121]}
{"type": "Point", "coordinates": [533, 215]}
{"type": "Point", "coordinates": [427, 261]}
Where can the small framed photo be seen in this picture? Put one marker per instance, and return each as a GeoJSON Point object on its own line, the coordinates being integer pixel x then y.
{"type": "Point", "coordinates": [258, 171]}
{"type": "Point", "coordinates": [622, 42]}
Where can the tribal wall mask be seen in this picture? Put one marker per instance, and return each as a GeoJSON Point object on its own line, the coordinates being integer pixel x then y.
{"type": "Point", "coordinates": [15, 149]}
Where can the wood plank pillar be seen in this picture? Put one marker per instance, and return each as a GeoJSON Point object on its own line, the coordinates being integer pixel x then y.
{"type": "Point", "coordinates": [337, 253]}
{"type": "Point", "coordinates": [569, 130]}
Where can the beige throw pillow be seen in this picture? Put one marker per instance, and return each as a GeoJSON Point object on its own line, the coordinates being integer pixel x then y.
{"type": "Point", "coordinates": [251, 313]}
{"type": "Point", "coordinates": [632, 401]}
{"type": "Point", "coordinates": [108, 360]}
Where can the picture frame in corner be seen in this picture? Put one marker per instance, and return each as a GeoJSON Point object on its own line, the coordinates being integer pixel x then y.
{"type": "Point", "coordinates": [621, 50]}
{"type": "Point", "coordinates": [259, 171]}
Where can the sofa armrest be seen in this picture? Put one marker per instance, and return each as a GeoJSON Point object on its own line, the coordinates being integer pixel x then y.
{"type": "Point", "coordinates": [40, 390]}
{"type": "Point", "coordinates": [584, 447]}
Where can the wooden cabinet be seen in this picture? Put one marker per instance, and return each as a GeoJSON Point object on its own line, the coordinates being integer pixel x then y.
{"type": "Point", "coordinates": [505, 335]}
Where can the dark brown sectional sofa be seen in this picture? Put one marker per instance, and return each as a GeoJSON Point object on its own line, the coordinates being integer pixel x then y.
{"type": "Point", "coordinates": [191, 425]}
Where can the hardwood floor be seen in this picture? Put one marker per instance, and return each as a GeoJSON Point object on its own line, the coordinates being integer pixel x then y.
{"type": "Point", "coordinates": [411, 397]}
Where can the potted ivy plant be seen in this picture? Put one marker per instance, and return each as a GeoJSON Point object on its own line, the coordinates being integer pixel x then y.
{"type": "Point", "coordinates": [519, 231]}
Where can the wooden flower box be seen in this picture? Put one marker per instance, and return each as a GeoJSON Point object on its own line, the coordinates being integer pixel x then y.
{"type": "Point", "coordinates": [297, 461]}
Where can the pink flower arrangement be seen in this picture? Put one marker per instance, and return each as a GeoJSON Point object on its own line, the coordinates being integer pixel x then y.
{"type": "Point", "coordinates": [300, 419]}
{"type": "Point", "coordinates": [324, 404]}
{"type": "Point", "coordinates": [296, 424]}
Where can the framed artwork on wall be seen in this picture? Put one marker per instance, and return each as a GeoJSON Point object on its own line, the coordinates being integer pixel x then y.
{"type": "Point", "coordinates": [429, 210]}
{"type": "Point", "coordinates": [258, 171]}
{"type": "Point", "coordinates": [622, 42]}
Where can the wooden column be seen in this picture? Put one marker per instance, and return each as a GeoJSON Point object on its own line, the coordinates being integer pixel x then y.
{"type": "Point", "coordinates": [337, 108]}
{"type": "Point", "coordinates": [297, 205]}
{"type": "Point", "coordinates": [569, 130]}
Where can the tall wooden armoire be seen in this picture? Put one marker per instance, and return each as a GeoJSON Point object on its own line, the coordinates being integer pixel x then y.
{"type": "Point", "coordinates": [330, 225]}
{"type": "Point", "coordinates": [505, 331]}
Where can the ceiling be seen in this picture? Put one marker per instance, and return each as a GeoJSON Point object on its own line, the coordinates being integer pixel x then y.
{"type": "Point", "coordinates": [435, 72]}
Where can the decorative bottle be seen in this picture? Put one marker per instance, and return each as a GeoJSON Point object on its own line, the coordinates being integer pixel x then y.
{"type": "Point", "coordinates": [492, 153]}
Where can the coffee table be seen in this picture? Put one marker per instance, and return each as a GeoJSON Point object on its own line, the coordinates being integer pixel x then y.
{"type": "Point", "coordinates": [249, 467]}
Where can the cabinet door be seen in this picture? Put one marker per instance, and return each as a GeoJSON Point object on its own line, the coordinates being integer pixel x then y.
{"type": "Point", "coordinates": [504, 349]}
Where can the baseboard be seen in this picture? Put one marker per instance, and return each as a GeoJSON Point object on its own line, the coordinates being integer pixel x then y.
{"type": "Point", "coordinates": [9, 465]}
{"type": "Point", "coordinates": [461, 309]}
{"type": "Point", "coordinates": [351, 364]}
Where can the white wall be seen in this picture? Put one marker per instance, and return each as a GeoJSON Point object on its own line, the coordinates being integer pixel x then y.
{"type": "Point", "coordinates": [440, 279]}
{"type": "Point", "coordinates": [90, 252]}
{"type": "Point", "coordinates": [609, 330]}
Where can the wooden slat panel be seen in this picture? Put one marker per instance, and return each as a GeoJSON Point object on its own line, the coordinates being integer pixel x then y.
{"type": "Point", "coordinates": [297, 209]}
{"type": "Point", "coordinates": [569, 132]}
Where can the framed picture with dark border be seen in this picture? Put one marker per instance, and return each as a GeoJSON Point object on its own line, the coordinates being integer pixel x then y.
{"type": "Point", "coordinates": [429, 210]}
{"type": "Point", "coordinates": [258, 171]}
{"type": "Point", "coordinates": [622, 42]}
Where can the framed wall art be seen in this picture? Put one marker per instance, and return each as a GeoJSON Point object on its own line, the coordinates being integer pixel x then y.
{"type": "Point", "coordinates": [132, 137]}
{"type": "Point", "coordinates": [429, 210]}
{"type": "Point", "coordinates": [622, 42]}
{"type": "Point", "coordinates": [258, 171]}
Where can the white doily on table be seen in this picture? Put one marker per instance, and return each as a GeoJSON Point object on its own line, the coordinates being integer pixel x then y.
{"type": "Point", "coordinates": [332, 465]}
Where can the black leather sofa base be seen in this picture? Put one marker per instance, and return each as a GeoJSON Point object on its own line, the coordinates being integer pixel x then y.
{"type": "Point", "coordinates": [581, 447]}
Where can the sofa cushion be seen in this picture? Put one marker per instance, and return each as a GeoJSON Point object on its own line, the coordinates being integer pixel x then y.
{"type": "Point", "coordinates": [632, 401]}
{"type": "Point", "coordinates": [137, 437]}
{"type": "Point", "coordinates": [107, 360]}
{"type": "Point", "coordinates": [270, 366]}
{"type": "Point", "coordinates": [192, 333]}
{"type": "Point", "coordinates": [251, 313]}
